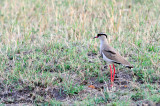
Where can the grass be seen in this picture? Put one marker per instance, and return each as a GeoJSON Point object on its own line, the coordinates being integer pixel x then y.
{"type": "Point", "coordinates": [48, 54]}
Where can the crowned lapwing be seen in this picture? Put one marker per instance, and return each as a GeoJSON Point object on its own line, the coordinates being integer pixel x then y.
{"type": "Point", "coordinates": [110, 55]}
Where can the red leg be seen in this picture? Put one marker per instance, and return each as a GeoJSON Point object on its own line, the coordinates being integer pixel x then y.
{"type": "Point", "coordinates": [114, 72]}
{"type": "Point", "coordinates": [111, 73]}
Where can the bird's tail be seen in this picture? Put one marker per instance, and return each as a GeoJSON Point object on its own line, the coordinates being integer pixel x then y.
{"type": "Point", "coordinates": [129, 67]}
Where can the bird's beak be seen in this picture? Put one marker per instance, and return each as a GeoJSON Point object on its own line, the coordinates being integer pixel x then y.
{"type": "Point", "coordinates": [95, 37]}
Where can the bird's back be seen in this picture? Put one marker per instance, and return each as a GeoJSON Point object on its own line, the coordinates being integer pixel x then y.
{"type": "Point", "coordinates": [113, 55]}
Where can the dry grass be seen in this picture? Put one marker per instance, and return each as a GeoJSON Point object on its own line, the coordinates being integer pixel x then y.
{"type": "Point", "coordinates": [47, 47]}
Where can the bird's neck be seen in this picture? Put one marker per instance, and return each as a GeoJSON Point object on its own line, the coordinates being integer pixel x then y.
{"type": "Point", "coordinates": [102, 41]}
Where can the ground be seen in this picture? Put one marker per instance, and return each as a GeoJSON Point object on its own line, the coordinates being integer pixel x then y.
{"type": "Point", "coordinates": [48, 55]}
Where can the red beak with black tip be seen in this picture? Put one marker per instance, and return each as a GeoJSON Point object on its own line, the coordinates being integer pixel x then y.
{"type": "Point", "coordinates": [96, 37]}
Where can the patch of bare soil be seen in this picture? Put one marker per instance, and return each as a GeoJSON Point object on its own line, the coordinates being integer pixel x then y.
{"type": "Point", "coordinates": [121, 82]}
{"type": "Point", "coordinates": [31, 95]}
{"type": "Point", "coordinates": [123, 79]}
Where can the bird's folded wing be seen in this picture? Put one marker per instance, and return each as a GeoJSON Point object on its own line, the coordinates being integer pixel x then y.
{"type": "Point", "coordinates": [114, 56]}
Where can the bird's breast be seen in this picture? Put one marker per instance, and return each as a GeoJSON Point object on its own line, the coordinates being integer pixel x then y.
{"type": "Point", "coordinates": [106, 59]}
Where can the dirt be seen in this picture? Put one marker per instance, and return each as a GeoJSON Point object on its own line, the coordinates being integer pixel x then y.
{"type": "Point", "coordinates": [30, 94]}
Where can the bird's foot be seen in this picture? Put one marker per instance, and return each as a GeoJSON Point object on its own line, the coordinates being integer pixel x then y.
{"type": "Point", "coordinates": [112, 83]}
{"type": "Point", "coordinates": [111, 88]}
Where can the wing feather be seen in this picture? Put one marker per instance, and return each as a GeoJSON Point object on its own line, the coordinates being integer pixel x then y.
{"type": "Point", "coordinates": [112, 54]}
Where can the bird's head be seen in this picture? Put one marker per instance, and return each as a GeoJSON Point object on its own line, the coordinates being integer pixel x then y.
{"type": "Point", "coordinates": [101, 36]}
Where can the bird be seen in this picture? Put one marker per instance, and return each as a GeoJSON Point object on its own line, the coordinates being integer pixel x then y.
{"type": "Point", "coordinates": [110, 55]}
